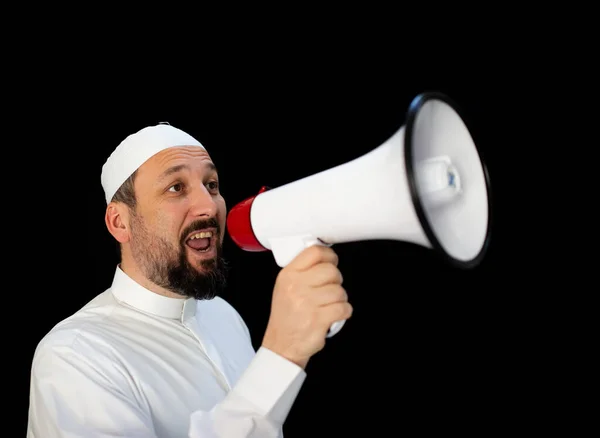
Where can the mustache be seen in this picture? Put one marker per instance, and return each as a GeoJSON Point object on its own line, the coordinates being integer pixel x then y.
{"type": "Point", "coordinates": [200, 224]}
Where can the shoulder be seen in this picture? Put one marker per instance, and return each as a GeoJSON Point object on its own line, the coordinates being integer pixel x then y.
{"type": "Point", "coordinates": [75, 357]}
{"type": "Point", "coordinates": [65, 351]}
{"type": "Point", "coordinates": [78, 333]}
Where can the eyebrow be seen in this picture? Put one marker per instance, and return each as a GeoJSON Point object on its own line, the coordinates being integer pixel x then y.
{"type": "Point", "coordinates": [174, 169]}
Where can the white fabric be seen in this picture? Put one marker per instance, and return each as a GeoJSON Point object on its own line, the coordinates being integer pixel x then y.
{"type": "Point", "coordinates": [137, 364]}
{"type": "Point", "coordinates": [132, 152]}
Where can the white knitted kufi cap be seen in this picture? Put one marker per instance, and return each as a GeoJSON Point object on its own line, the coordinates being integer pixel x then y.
{"type": "Point", "coordinates": [132, 152]}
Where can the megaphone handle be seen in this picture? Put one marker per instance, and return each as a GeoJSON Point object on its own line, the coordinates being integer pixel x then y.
{"type": "Point", "coordinates": [286, 248]}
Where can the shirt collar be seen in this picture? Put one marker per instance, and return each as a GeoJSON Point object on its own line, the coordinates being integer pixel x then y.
{"type": "Point", "coordinates": [128, 291]}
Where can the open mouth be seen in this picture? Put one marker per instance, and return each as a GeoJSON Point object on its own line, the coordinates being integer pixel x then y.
{"type": "Point", "coordinates": [200, 241]}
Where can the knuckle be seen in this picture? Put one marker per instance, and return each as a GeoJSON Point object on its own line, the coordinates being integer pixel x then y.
{"type": "Point", "coordinates": [312, 255]}
{"type": "Point", "coordinates": [316, 251]}
{"type": "Point", "coordinates": [340, 294]}
{"type": "Point", "coordinates": [334, 273]}
{"type": "Point", "coordinates": [341, 312]}
{"type": "Point", "coordinates": [324, 251]}
{"type": "Point", "coordinates": [346, 309]}
{"type": "Point", "coordinates": [349, 309]}
{"type": "Point", "coordinates": [331, 271]}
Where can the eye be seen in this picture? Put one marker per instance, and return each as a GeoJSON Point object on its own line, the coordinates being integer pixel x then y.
{"type": "Point", "coordinates": [213, 185]}
{"type": "Point", "coordinates": [176, 188]}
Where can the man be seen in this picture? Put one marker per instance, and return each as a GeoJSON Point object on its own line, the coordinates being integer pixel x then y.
{"type": "Point", "coordinates": [159, 353]}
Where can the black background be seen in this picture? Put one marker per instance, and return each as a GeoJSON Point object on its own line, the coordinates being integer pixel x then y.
{"type": "Point", "coordinates": [429, 348]}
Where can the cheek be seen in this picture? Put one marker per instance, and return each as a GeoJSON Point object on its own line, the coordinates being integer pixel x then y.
{"type": "Point", "coordinates": [163, 225]}
{"type": "Point", "coordinates": [222, 206]}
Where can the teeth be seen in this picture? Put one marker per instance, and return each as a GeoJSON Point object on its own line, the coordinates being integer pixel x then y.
{"type": "Point", "coordinates": [202, 235]}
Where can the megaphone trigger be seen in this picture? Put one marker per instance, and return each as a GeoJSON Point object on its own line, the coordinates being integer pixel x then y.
{"type": "Point", "coordinates": [284, 249]}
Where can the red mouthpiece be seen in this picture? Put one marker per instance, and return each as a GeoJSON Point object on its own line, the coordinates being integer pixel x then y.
{"type": "Point", "coordinates": [239, 225]}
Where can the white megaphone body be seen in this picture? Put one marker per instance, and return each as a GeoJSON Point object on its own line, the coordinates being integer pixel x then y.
{"type": "Point", "coordinates": [426, 184]}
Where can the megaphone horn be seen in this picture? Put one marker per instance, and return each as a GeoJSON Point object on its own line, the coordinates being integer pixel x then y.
{"type": "Point", "coordinates": [427, 184]}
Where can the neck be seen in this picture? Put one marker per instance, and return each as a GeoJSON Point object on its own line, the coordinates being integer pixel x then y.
{"type": "Point", "coordinates": [132, 270]}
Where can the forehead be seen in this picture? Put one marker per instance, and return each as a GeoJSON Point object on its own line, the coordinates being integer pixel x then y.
{"type": "Point", "coordinates": [190, 157]}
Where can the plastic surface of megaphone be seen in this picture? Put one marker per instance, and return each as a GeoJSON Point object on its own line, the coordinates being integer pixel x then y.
{"type": "Point", "coordinates": [427, 185]}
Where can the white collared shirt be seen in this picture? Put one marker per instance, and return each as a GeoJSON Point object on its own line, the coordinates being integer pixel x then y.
{"type": "Point", "coordinates": [137, 364]}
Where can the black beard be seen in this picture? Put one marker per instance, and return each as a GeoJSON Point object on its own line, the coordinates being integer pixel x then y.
{"type": "Point", "coordinates": [176, 274]}
{"type": "Point", "coordinates": [185, 280]}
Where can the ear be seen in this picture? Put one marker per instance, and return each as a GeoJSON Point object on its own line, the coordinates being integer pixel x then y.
{"type": "Point", "coordinates": [116, 219]}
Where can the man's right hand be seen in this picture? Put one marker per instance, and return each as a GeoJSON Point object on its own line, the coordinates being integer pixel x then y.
{"type": "Point", "coordinates": [307, 298]}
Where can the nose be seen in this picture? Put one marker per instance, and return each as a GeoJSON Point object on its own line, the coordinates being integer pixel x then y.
{"type": "Point", "coordinates": [202, 203]}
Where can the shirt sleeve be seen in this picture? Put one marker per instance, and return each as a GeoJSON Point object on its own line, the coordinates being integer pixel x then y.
{"type": "Point", "coordinates": [72, 395]}
{"type": "Point", "coordinates": [258, 404]}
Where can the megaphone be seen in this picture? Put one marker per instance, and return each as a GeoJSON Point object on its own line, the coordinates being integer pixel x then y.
{"type": "Point", "coordinates": [426, 184]}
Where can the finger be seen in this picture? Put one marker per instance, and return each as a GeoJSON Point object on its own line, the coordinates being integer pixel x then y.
{"type": "Point", "coordinates": [312, 255]}
{"type": "Point", "coordinates": [329, 294]}
{"type": "Point", "coordinates": [322, 274]}
{"type": "Point", "coordinates": [338, 311]}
